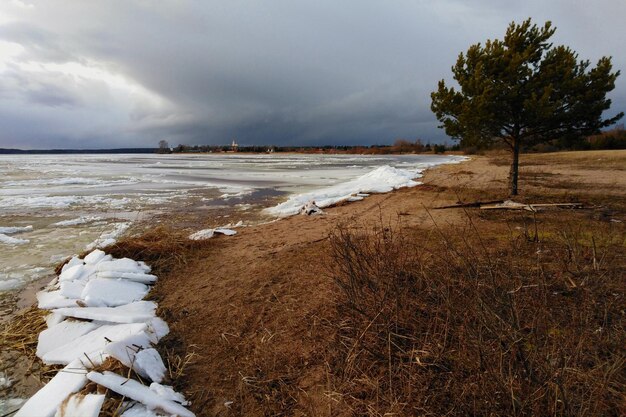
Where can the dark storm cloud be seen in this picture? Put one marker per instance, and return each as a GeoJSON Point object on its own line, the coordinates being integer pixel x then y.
{"type": "Point", "coordinates": [129, 73]}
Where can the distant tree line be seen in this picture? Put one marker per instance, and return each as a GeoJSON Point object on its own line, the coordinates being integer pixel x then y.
{"type": "Point", "coordinates": [402, 146]}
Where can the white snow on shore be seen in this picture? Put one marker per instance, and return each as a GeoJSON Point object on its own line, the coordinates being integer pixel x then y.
{"type": "Point", "coordinates": [381, 180]}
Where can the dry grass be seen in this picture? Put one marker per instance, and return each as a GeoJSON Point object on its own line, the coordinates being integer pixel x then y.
{"type": "Point", "coordinates": [22, 332]}
{"type": "Point", "coordinates": [459, 323]}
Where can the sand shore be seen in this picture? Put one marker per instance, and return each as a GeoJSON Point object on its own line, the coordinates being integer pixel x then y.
{"type": "Point", "coordinates": [253, 306]}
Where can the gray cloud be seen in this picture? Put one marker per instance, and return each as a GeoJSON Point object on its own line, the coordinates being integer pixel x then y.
{"type": "Point", "coordinates": [132, 72]}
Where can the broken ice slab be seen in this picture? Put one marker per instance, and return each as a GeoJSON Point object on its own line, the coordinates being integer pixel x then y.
{"type": "Point", "coordinates": [46, 401]}
{"type": "Point", "coordinates": [130, 276]}
{"type": "Point", "coordinates": [62, 334]}
{"type": "Point", "coordinates": [101, 292]}
{"type": "Point", "coordinates": [73, 273]}
{"type": "Point", "coordinates": [123, 265]}
{"type": "Point", "coordinates": [48, 300]}
{"type": "Point", "coordinates": [72, 289]}
{"type": "Point", "coordinates": [90, 346]}
{"type": "Point", "coordinates": [138, 392]}
{"type": "Point", "coordinates": [96, 256]}
{"type": "Point", "coordinates": [136, 352]}
{"type": "Point", "coordinates": [79, 405]}
{"type": "Point", "coordinates": [139, 311]}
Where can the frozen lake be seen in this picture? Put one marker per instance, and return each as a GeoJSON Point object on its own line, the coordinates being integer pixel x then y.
{"type": "Point", "coordinates": [54, 206]}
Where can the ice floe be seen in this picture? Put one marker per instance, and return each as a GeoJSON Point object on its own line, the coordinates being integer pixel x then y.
{"type": "Point", "coordinates": [10, 240]}
{"type": "Point", "coordinates": [15, 229]}
{"type": "Point", "coordinates": [97, 313]}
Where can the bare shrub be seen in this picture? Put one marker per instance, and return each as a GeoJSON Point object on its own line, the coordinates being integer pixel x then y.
{"type": "Point", "coordinates": [437, 324]}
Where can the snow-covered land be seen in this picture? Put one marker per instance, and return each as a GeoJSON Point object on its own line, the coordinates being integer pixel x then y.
{"type": "Point", "coordinates": [97, 312]}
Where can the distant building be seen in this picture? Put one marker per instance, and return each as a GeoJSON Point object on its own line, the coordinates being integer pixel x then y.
{"type": "Point", "coordinates": [234, 146]}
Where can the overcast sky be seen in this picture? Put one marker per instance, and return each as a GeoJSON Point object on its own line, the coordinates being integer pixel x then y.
{"type": "Point", "coordinates": [128, 73]}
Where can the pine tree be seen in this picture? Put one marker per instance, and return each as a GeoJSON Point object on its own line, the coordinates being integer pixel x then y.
{"type": "Point", "coordinates": [522, 91]}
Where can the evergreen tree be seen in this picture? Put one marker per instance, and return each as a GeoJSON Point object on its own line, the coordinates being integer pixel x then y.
{"type": "Point", "coordinates": [522, 91]}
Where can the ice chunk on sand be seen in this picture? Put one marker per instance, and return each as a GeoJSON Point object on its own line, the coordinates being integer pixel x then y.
{"type": "Point", "coordinates": [168, 392]}
{"type": "Point", "coordinates": [62, 334]}
{"type": "Point", "coordinates": [48, 300]}
{"type": "Point", "coordinates": [54, 319]}
{"type": "Point", "coordinates": [131, 276]}
{"type": "Point", "coordinates": [157, 329]}
{"type": "Point", "coordinates": [202, 234]}
{"type": "Point", "coordinates": [79, 405]}
{"type": "Point", "coordinates": [112, 293]}
{"type": "Point", "coordinates": [123, 265]}
{"type": "Point", "coordinates": [95, 257]}
{"type": "Point", "coordinates": [46, 401]}
{"type": "Point", "coordinates": [73, 273]}
{"type": "Point", "coordinates": [136, 352]}
{"type": "Point", "coordinates": [72, 289]}
{"type": "Point", "coordinates": [91, 344]}
{"type": "Point", "coordinates": [12, 240]}
{"type": "Point", "coordinates": [72, 262]}
{"type": "Point", "coordinates": [138, 392]}
{"type": "Point", "coordinates": [15, 229]}
{"type": "Point", "coordinates": [136, 312]}
{"type": "Point", "coordinates": [209, 233]}
{"type": "Point", "coordinates": [148, 363]}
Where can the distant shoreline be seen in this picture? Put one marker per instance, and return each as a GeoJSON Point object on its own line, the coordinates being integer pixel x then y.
{"type": "Point", "coordinates": [4, 151]}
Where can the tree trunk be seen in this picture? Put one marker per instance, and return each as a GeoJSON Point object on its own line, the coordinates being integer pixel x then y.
{"type": "Point", "coordinates": [514, 172]}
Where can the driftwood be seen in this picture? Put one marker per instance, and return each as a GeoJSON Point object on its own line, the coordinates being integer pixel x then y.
{"type": "Point", "coordinates": [508, 205]}
{"type": "Point", "coordinates": [511, 205]}
{"type": "Point", "coordinates": [474, 204]}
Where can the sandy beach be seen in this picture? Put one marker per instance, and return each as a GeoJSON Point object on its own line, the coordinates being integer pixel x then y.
{"type": "Point", "coordinates": [253, 307]}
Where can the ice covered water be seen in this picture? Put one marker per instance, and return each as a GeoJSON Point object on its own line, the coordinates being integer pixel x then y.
{"type": "Point", "coordinates": [53, 206]}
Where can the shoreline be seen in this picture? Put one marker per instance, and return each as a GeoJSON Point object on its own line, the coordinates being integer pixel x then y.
{"type": "Point", "coordinates": [277, 262]}
{"type": "Point", "coordinates": [25, 298]}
